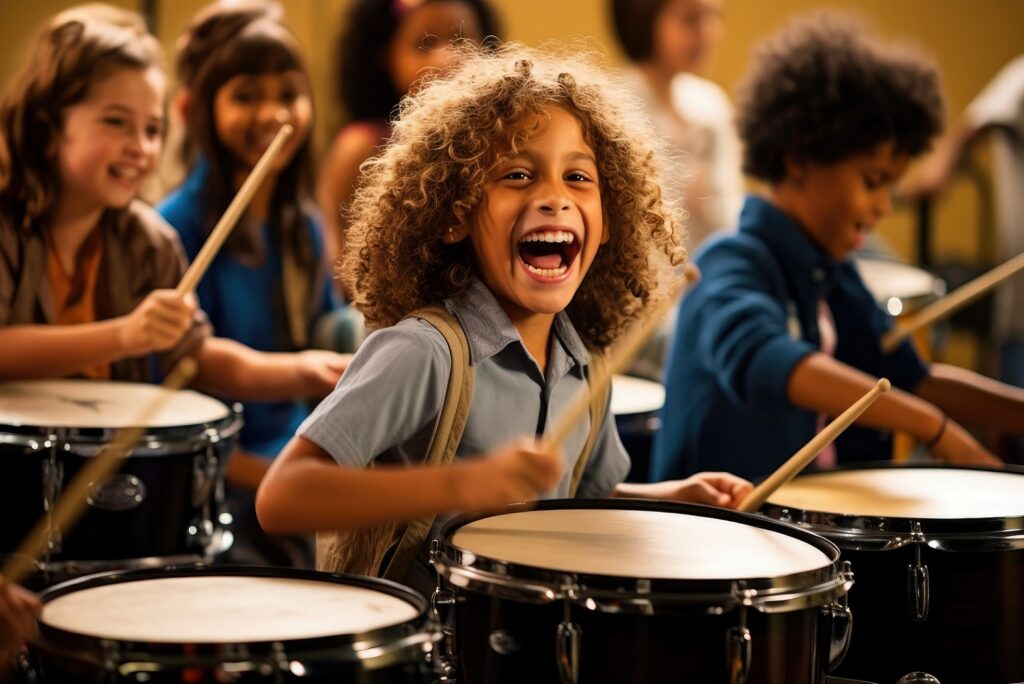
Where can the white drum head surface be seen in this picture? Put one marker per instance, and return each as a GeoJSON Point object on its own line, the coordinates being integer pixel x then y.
{"type": "Point", "coordinates": [224, 609]}
{"type": "Point", "coordinates": [886, 279]}
{"type": "Point", "coordinates": [635, 395]}
{"type": "Point", "coordinates": [101, 404]}
{"type": "Point", "coordinates": [640, 544]}
{"type": "Point", "coordinates": [938, 493]}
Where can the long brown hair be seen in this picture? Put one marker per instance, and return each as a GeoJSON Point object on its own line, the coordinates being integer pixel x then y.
{"type": "Point", "coordinates": [75, 49]}
{"type": "Point", "coordinates": [223, 41]}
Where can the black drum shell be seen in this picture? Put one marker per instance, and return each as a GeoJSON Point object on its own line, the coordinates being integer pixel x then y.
{"type": "Point", "coordinates": [63, 657]}
{"type": "Point", "coordinates": [498, 639]}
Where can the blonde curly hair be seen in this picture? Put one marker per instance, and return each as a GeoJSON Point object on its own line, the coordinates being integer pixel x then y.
{"type": "Point", "coordinates": [446, 141]}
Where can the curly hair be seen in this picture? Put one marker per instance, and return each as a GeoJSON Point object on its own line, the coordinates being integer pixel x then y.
{"type": "Point", "coordinates": [448, 138]}
{"type": "Point", "coordinates": [824, 89]}
{"type": "Point", "coordinates": [75, 49]}
{"type": "Point", "coordinates": [366, 89]}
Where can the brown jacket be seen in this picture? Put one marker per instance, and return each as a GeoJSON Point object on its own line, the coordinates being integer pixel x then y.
{"type": "Point", "coordinates": [141, 253]}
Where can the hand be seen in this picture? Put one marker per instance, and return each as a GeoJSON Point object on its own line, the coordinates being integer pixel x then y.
{"type": "Point", "coordinates": [958, 446]}
{"type": "Point", "coordinates": [19, 610]}
{"type": "Point", "coordinates": [713, 489]}
{"type": "Point", "coordinates": [519, 471]}
{"type": "Point", "coordinates": [320, 370]}
{"type": "Point", "coordinates": [157, 323]}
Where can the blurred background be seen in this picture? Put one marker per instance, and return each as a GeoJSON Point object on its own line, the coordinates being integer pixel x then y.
{"type": "Point", "coordinates": [971, 40]}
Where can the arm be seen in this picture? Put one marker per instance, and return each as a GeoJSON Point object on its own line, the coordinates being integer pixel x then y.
{"type": "Point", "coordinates": [53, 351]}
{"type": "Point", "coordinates": [305, 490]}
{"type": "Point", "coordinates": [713, 489]}
{"type": "Point", "coordinates": [19, 610]}
{"type": "Point", "coordinates": [934, 173]}
{"type": "Point", "coordinates": [230, 368]}
{"type": "Point", "coordinates": [974, 399]}
{"type": "Point", "coordinates": [821, 384]}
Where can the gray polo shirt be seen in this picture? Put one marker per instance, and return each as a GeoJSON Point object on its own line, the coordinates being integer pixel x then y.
{"type": "Point", "coordinates": [387, 403]}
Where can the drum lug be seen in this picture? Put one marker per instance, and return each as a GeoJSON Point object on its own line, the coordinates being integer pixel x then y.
{"type": "Point", "coordinates": [917, 678]}
{"type": "Point", "coordinates": [204, 474]}
{"type": "Point", "coordinates": [738, 647]}
{"type": "Point", "coordinates": [53, 483]}
{"type": "Point", "coordinates": [918, 583]}
{"type": "Point", "coordinates": [567, 645]}
{"type": "Point", "coordinates": [840, 626]}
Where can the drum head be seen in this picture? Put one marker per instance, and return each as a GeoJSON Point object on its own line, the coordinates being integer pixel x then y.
{"type": "Point", "coordinates": [899, 288]}
{"type": "Point", "coordinates": [638, 543]}
{"type": "Point", "coordinates": [632, 395]}
{"type": "Point", "coordinates": [86, 404]}
{"type": "Point", "coordinates": [918, 493]}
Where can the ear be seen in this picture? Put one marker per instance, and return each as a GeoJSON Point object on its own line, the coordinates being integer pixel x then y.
{"type": "Point", "coordinates": [455, 234]}
{"type": "Point", "coordinates": [796, 169]}
{"type": "Point", "coordinates": [606, 234]}
{"type": "Point", "coordinates": [182, 102]}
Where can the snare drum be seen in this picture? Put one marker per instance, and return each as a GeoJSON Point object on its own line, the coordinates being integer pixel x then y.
{"type": "Point", "coordinates": [231, 624]}
{"type": "Point", "coordinates": [161, 502]}
{"type": "Point", "coordinates": [635, 405]}
{"type": "Point", "coordinates": [899, 288]}
{"type": "Point", "coordinates": [639, 591]}
{"type": "Point", "coordinates": [939, 556]}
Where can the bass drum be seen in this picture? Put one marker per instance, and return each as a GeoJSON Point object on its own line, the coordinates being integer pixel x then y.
{"type": "Point", "coordinates": [231, 624]}
{"type": "Point", "coordinates": [637, 591]}
{"type": "Point", "coordinates": [939, 555]}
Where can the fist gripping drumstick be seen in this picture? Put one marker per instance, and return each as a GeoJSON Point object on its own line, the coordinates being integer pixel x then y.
{"type": "Point", "coordinates": [619, 357]}
{"type": "Point", "coordinates": [234, 211]}
{"type": "Point", "coordinates": [949, 304]}
{"type": "Point", "coordinates": [798, 461]}
{"type": "Point", "coordinates": [71, 504]}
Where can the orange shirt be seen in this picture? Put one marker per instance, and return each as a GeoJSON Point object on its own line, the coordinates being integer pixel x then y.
{"type": "Point", "coordinates": [74, 294]}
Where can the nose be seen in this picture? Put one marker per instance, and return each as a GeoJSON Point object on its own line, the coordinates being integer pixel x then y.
{"type": "Point", "coordinates": [883, 203]}
{"type": "Point", "coordinates": [551, 201]}
{"type": "Point", "coordinates": [275, 113]}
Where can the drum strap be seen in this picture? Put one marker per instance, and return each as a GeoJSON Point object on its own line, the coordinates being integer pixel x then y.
{"type": "Point", "coordinates": [364, 551]}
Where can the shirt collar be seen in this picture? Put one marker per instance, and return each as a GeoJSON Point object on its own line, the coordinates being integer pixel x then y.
{"type": "Point", "coordinates": [806, 264]}
{"type": "Point", "coordinates": [489, 330]}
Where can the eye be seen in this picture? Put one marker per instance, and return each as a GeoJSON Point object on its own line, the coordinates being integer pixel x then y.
{"type": "Point", "coordinates": [516, 175]}
{"type": "Point", "coordinates": [578, 177]}
{"type": "Point", "coordinates": [289, 96]}
{"type": "Point", "coordinates": [431, 42]}
{"type": "Point", "coordinates": [243, 97]}
{"type": "Point", "coordinates": [115, 121]}
{"type": "Point", "coordinates": [154, 130]}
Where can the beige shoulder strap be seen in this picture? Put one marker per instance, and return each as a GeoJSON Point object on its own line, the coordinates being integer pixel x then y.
{"type": "Point", "coordinates": [598, 404]}
{"type": "Point", "coordinates": [363, 551]}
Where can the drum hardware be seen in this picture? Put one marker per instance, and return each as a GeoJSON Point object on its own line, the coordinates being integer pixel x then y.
{"type": "Point", "coordinates": [738, 649]}
{"type": "Point", "coordinates": [918, 586]}
{"type": "Point", "coordinates": [53, 482]}
{"type": "Point", "coordinates": [918, 678]}
{"type": "Point", "coordinates": [568, 646]}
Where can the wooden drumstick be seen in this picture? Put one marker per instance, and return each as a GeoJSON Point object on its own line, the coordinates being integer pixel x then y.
{"type": "Point", "coordinates": [234, 211]}
{"type": "Point", "coordinates": [619, 357]}
{"type": "Point", "coordinates": [949, 304]}
{"type": "Point", "coordinates": [798, 461]}
{"type": "Point", "coordinates": [71, 504]}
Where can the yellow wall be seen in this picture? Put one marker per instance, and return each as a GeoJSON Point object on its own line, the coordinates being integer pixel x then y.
{"type": "Point", "coordinates": [970, 39]}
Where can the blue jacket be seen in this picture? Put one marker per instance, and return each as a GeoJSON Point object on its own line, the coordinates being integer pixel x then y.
{"type": "Point", "coordinates": [246, 303]}
{"type": "Point", "coordinates": [739, 335]}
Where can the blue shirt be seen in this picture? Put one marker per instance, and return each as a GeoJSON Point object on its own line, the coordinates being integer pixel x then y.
{"type": "Point", "coordinates": [739, 335]}
{"type": "Point", "coordinates": [245, 303]}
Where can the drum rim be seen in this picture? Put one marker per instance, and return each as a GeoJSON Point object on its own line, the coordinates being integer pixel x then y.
{"type": "Point", "coordinates": [616, 593]}
{"type": "Point", "coordinates": [374, 649]}
{"type": "Point", "coordinates": [891, 532]}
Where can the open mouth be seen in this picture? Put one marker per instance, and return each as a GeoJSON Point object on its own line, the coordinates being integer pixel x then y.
{"type": "Point", "coordinates": [549, 253]}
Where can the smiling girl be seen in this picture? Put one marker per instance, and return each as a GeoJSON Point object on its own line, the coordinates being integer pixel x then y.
{"type": "Point", "coordinates": [518, 194]}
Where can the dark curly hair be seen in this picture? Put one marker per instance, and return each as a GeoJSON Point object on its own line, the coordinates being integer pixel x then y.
{"type": "Point", "coordinates": [448, 138]}
{"type": "Point", "coordinates": [365, 87]}
{"type": "Point", "coordinates": [824, 89]}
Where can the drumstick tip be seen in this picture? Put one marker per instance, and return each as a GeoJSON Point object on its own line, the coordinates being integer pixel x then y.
{"type": "Point", "coordinates": [884, 385]}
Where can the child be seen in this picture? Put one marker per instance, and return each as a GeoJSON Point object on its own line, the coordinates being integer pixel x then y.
{"type": "Point", "coordinates": [669, 43]}
{"type": "Point", "coordinates": [86, 270]}
{"type": "Point", "coordinates": [242, 77]}
{"type": "Point", "coordinates": [519, 193]}
{"type": "Point", "coordinates": [781, 332]}
{"type": "Point", "coordinates": [385, 47]}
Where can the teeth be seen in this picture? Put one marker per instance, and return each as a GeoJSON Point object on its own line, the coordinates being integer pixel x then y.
{"type": "Point", "coordinates": [127, 173]}
{"type": "Point", "coordinates": [550, 236]}
{"type": "Point", "coordinates": [547, 272]}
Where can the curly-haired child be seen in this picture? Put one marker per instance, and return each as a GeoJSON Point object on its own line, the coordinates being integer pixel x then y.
{"type": "Point", "coordinates": [781, 331]}
{"type": "Point", "coordinates": [518, 193]}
